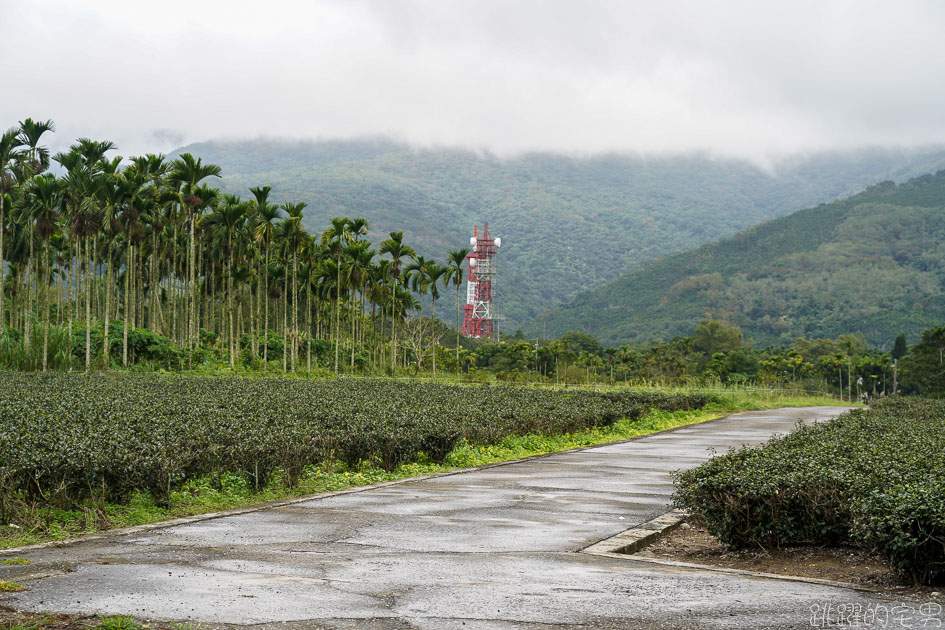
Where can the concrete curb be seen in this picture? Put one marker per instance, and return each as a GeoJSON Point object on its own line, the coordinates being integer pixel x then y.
{"type": "Point", "coordinates": [625, 546]}
{"type": "Point", "coordinates": [636, 538]}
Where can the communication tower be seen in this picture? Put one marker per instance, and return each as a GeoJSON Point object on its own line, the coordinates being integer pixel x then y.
{"type": "Point", "coordinates": [479, 314]}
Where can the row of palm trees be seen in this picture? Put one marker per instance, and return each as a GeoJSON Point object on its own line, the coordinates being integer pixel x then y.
{"type": "Point", "coordinates": [148, 242]}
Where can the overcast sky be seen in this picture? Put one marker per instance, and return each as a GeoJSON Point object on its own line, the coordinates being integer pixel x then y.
{"type": "Point", "coordinates": [749, 79]}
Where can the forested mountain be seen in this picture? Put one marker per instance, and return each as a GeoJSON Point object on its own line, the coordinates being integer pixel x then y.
{"type": "Point", "coordinates": [873, 263]}
{"type": "Point", "coordinates": [566, 223]}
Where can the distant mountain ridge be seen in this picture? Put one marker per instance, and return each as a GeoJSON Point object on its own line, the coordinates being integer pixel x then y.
{"type": "Point", "coordinates": [872, 263]}
{"type": "Point", "coordinates": [567, 223]}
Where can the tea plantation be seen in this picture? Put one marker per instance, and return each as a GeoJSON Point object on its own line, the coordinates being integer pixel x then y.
{"type": "Point", "coordinates": [872, 477]}
{"type": "Point", "coordinates": [67, 438]}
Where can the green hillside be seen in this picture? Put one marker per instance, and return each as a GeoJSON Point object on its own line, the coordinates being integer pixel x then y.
{"type": "Point", "coordinates": [873, 263]}
{"type": "Point", "coordinates": [566, 223]}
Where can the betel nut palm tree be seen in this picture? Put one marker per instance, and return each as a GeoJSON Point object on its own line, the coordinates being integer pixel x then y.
{"type": "Point", "coordinates": [43, 199]}
{"type": "Point", "coordinates": [455, 260]}
{"type": "Point", "coordinates": [9, 143]}
{"type": "Point", "coordinates": [335, 238]}
{"type": "Point", "coordinates": [399, 254]}
{"type": "Point", "coordinates": [188, 171]}
{"type": "Point", "coordinates": [435, 274]}
{"type": "Point", "coordinates": [265, 217]}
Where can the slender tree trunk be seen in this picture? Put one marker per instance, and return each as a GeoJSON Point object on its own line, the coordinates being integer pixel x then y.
{"type": "Point", "coordinates": [96, 282]}
{"type": "Point", "coordinates": [60, 290]}
{"type": "Point", "coordinates": [295, 307]}
{"type": "Point", "coordinates": [88, 307]}
{"type": "Point", "coordinates": [229, 299]}
{"type": "Point", "coordinates": [106, 339]}
{"type": "Point", "coordinates": [124, 334]}
{"type": "Point", "coordinates": [191, 280]}
{"type": "Point", "coordinates": [45, 307]}
{"type": "Point", "coordinates": [337, 310]}
{"type": "Point", "coordinates": [257, 314]}
{"type": "Point", "coordinates": [850, 380]}
{"type": "Point", "coordinates": [172, 291]}
{"type": "Point", "coordinates": [187, 323]}
{"type": "Point", "coordinates": [180, 306]}
{"type": "Point", "coordinates": [354, 318]}
{"type": "Point", "coordinates": [433, 324]}
{"type": "Point", "coordinates": [130, 314]}
{"type": "Point", "coordinates": [202, 291]}
{"type": "Point", "coordinates": [154, 304]}
{"type": "Point", "coordinates": [373, 333]}
{"type": "Point", "coordinates": [285, 316]}
{"type": "Point", "coordinates": [457, 327]}
{"type": "Point", "coordinates": [420, 336]}
{"type": "Point", "coordinates": [73, 283]}
{"type": "Point", "coordinates": [161, 324]}
{"type": "Point", "coordinates": [172, 323]}
{"type": "Point", "coordinates": [2, 270]}
{"type": "Point", "coordinates": [183, 299]}
{"type": "Point", "coordinates": [139, 287]}
{"type": "Point", "coordinates": [251, 313]}
{"type": "Point", "coordinates": [266, 320]}
{"type": "Point", "coordinates": [308, 327]}
{"type": "Point", "coordinates": [393, 327]}
{"type": "Point", "coordinates": [28, 314]}
{"type": "Point", "coordinates": [240, 322]}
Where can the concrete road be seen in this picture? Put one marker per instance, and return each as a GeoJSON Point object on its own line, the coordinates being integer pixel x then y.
{"type": "Point", "coordinates": [492, 548]}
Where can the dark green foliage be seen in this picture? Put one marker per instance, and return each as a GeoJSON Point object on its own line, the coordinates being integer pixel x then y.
{"type": "Point", "coordinates": [576, 341]}
{"type": "Point", "coordinates": [923, 368]}
{"type": "Point", "coordinates": [906, 521]}
{"type": "Point", "coordinates": [69, 437]}
{"type": "Point", "coordinates": [439, 437]}
{"type": "Point", "coordinates": [712, 336]}
{"type": "Point", "coordinates": [143, 345]}
{"type": "Point", "coordinates": [872, 476]}
{"type": "Point", "coordinates": [873, 263]}
{"type": "Point", "coordinates": [899, 347]}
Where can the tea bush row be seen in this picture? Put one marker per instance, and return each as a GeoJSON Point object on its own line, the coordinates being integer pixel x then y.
{"type": "Point", "coordinates": [873, 477]}
{"type": "Point", "coordinates": [66, 437]}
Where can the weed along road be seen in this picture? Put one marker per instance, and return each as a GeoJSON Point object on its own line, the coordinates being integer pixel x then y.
{"type": "Point", "coordinates": [497, 547]}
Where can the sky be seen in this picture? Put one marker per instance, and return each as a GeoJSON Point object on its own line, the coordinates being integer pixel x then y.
{"type": "Point", "coordinates": [749, 79]}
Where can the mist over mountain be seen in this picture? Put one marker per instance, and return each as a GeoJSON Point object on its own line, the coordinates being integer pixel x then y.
{"type": "Point", "coordinates": [567, 223]}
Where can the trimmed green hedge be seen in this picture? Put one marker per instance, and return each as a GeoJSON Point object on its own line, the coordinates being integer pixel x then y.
{"type": "Point", "coordinates": [874, 477]}
{"type": "Point", "coordinates": [66, 437]}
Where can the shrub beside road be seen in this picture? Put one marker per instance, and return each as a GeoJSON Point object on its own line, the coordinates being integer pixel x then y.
{"type": "Point", "coordinates": [872, 477]}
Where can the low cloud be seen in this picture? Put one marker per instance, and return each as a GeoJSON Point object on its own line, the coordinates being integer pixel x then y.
{"type": "Point", "coordinates": [735, 78]}
{"type": "Point", "coordinates": [165, 139]}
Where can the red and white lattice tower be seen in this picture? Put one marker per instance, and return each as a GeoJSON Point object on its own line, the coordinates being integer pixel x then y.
{"type": "Point", "coordinates": [480, 318]}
